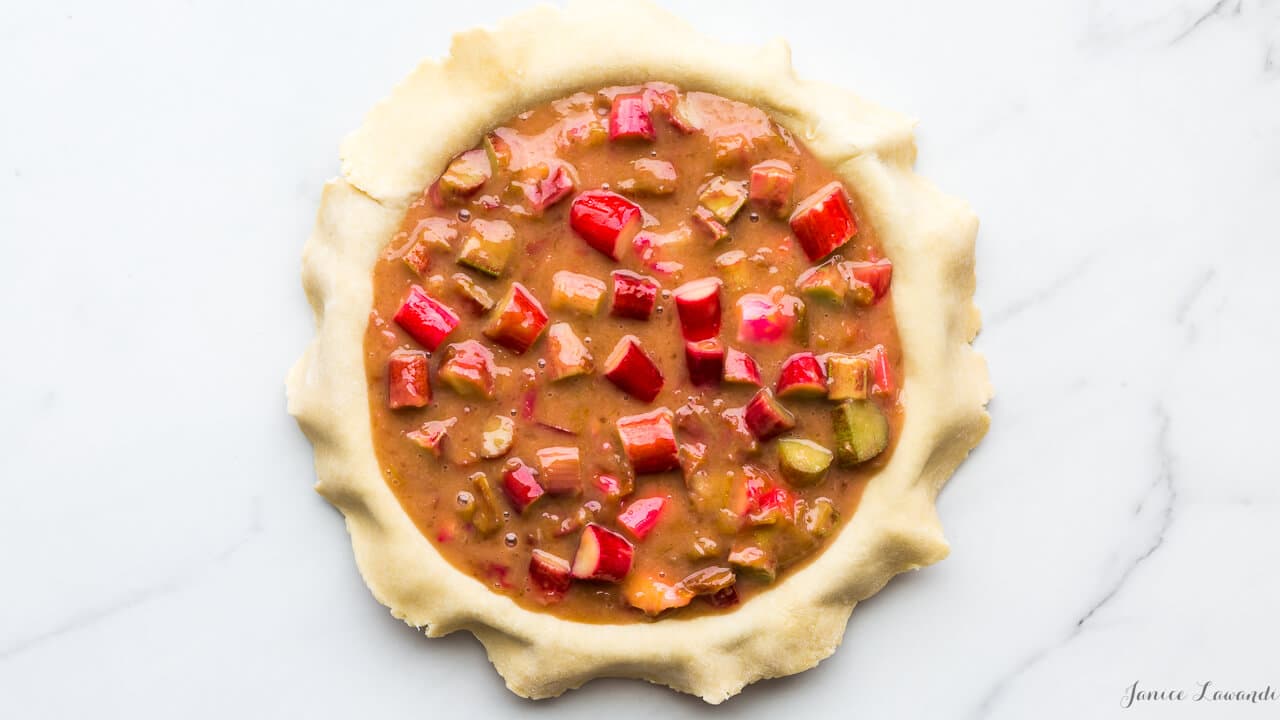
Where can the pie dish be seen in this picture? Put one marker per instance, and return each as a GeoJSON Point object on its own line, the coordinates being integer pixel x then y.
{"type": "Point", "coordinates": [636, 355]}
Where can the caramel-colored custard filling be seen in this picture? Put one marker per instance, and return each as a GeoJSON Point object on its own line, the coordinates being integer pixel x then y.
{"type": "Point", "coordinates": [633, 356]}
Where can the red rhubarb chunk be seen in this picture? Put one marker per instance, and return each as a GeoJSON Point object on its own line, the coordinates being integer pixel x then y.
{"type": "Point", "coordinates": [605, 220]}
{"type": "Point", "coordinates": [518, 320]}
{"type": "Point", "coordinates": [634, 295]}
{"type": "Point", "coordinates": [602, 555]}
{"type": "Point", "coordinates": [762, 319]}
{"type": "Point", "coordinates": [802, 376]}
{"type": "Point", "coordinates": [641, 515]}
{"type": "Point", "coordinates": [740, 368]}
{"type": "Point", "coordinates": [881, 371]}
{"type": "Point", "coordinates": [552, 189]}
{"type": "Point", "coordinates": [610, 485]}
{"type": "Point", "coordinates": [550, 574]}
{"type": "Point", "coordinates": [632, 370]}
{"type": "Point", "coordinates": [649, 441]}
{"type": "Point", "coordinates": [407, 383]}
{"type": "Point", "coordinates": [766, 417]}
{"type": "Point", "coordinates": [425, 319]}
{"type": "Point", "coordinates": [698, 303]}
{"type": "Point", "coordinates": [874, 275]}
{"type": "Point", "coordinates": [771, 185]}
{"type": "Point", "coordinates": [629, 118]}
{"type": "Point", "coordinates": [705, 360]}
{"type": "Point", "coordinates": [521, 486]}
{"type": "Point", "coordinates": [824, 221]}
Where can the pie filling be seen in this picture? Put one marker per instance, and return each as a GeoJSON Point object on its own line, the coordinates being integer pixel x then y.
{"type": "Point", "coordinates": [633, 356]}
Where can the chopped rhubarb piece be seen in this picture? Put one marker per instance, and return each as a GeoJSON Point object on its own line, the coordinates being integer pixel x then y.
{"type": "Point", "coordinates": [735, 268]}
{"type": "Point", "coordinates": [824, 221]}
{"type": "Point", "coordinates": [418, 258]}
{"type": "Point", "coordinates": [649, 441]}
{"type": "Point", "coordinates": [741, 440]}
{"type": "Point", "coordinates": [558, 185]}
{"type": "Point", "coordinates": [881, 371]}
{"type": "Point", "coordinates": [754, 560]}
{"type": "Point", "coordinates": [407, 383]}
{"type": "Point", "coordinates": [629, 118]}
{"type": "Point", "coordinates": [580, 293]}
{"type": "Point", "coordinates": [710, 225]}
{"type": "Point", "coordinates": [821, 518]}
{"type": "Point", "coordinates": [771, 184]}
{"type": "Point", "coordinates": [632, 370]}
{"type": "Point", "coordinates": [659, 251]}
{"type": "Point", "coordinates": [466, 173]}
{"type": "Point", "coordinates": [634, 295]}
{"type": "Point", "coordinates": [698, 303]}
{"type": "Point", "coordinates": [610, 485]}
{"type": "Point", "coordinates": [485, 519]}
{"type": "Point", "coordinates": [774, 505]}
{"type": "Point", "coordinates": [705, 360]}
{"type": "Point", "coordinates": [862, 432]}
{"type": "Point", "coordinates": [802, 376]}
{"type": "Point", "coordinates": [803, 462]}
{"type": "Point", "coordinates": [425, 319]}
{"type": "Point", "coordinates": [431, 435]}
{"type": "Point", "coordinates": [652, 594]}
{"type": "Point", "coordinates": [518, 320]}
{"type": "Point", "coordinates": [641, 515]}
{"type": "Point", "coordinates": [740, 368]}
{"type": "Point", "coordinates": [550, 574]}
{"type": "Point", "coordinates": [497, 438]}
{"type": "Point", "coordinates": [684, 117]}
{"type": "Point", "coordinates": [824, 282]}
{"type": "Point", "coordinates": [724, 198]}
{"type": "Point", "coordinates": [847, 377]}
{"type": "Point", "coordinates": [469, 290]}
{"type": "Point", "coordinates": [468, 369]}
{"type": "Point", "coordinates": [499, 146]}
{"type": "Point", "coordinates": [487, 246]}
{"type": "Point", "coordinates": [762, 319]}
{"type": "Point", "coordinates": [602, 555]}
{"type": "Point", "coordinates": [561, 470]}
{"type": "Point", "coordinates": [709, 580]}
{"type": "Point", "coordinates": [766, 417]}
{"type": "Point", "coordinates": [605, 220]}
{"type": "Point", "coordinates": [748, 488]}
{"type": "Point", "coordinates": [650, 177]}
{"type": "Point", "coordinates": [870, 280]}
{"type": "Point", "coordinates": [693, 456]}
{"type": "Point", "coordinates": [567, 356]}
{"type": "Point", "coordinates": [521, 485]}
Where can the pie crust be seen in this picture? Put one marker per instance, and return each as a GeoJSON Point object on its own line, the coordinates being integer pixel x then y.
{"type": "Point", "coordinates": [445, 107]}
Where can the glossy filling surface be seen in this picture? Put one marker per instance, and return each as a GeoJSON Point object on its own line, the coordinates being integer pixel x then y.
{"type": "Point", "coordinates": [633, 357]}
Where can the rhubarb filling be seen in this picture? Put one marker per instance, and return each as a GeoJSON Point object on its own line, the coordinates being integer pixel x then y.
{"type": "Point", "coordinates": [633, 356]}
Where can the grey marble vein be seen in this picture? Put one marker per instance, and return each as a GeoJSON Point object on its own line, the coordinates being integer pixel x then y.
{"type": "Point", "coordinates": [1043, 293]}
{"type": "Point", "coordinates": [1161, 488]}
{"type": "Point", "coordinates": [1215, 10]}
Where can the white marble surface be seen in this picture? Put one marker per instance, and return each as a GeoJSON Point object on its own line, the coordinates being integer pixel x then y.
{"type": "Point", "coordinates": [164, 556]}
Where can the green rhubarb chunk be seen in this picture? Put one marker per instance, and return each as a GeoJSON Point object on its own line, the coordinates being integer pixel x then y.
{"type": "Point", "coordinates": [724, 198]}
{"type": "Point", "coordinates": [578, 293]}
{"type": "Point", "coordinates": [847, 377]}
{"type": "Point", "coordinates": [498, 148]}
{"type": "Point", "coordinates": [803, 462]}
{"type": "Point", "coordinates": [498, 436]}
{"type": "Point", "coordinates": [824, 282]}
{"type": "Point", "coordinates": [466, 173]}
{"type": "Point", "coordinates": [465, 286]}
{"type": "Point", "coordinates": [755, 561]}
{"type": "Point", "coordinates": [820, 518]}
{"type": "Point", "coordinates": [485, 517]}
{"type": "Point", "coordinates": [487, 246]}
{"type": "Point", "coordinates": [735, 269]}
{"type": "Point", "coordinates": [862, 432]}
